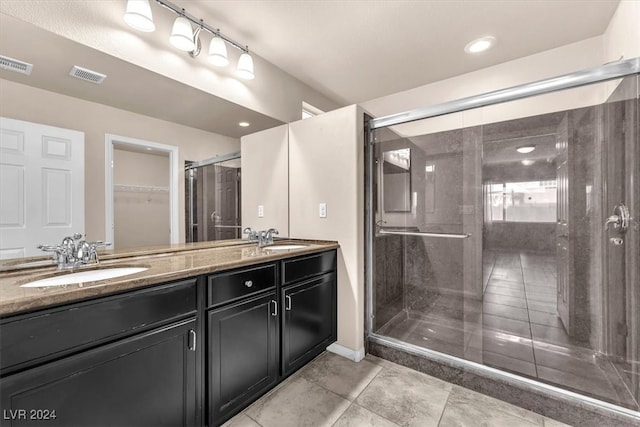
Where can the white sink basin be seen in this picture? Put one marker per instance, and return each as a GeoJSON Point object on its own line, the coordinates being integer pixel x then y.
{"type": "Point", "coordinates": [84, 276]}
{"type": "Point", "coordinates": [284, 247]}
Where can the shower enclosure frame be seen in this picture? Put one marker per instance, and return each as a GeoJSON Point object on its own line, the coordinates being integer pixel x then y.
{"type": "Point", "coordinates": [606, 72]}
{"type": "Point", "coordinates": [189, 171]}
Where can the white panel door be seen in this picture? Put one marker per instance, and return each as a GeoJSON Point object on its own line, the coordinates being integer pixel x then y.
{"type": "Point", "coordinates": [41, 186]}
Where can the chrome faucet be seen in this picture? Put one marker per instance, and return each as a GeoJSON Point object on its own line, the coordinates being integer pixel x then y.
{"type": "Point", "coordinates": [263, 238]}
{"type": "Point", "coordinates": [73, 252]}
{"type": "Point", "coordinates": [266, 237]}
{"type": "Point", "coordinates": [252, 234]}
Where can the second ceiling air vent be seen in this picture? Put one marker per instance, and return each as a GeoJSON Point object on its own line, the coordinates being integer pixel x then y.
{"type": "Point", "coordinates": [87, 75]}
{"type": "Point", "coordinates": [16, 65]}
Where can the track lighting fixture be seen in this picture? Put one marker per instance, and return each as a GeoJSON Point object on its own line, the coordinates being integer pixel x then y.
{"type": "Point", "coordinates": [139, 16]}
{"type": "Point", "coordinates": [184, 37]}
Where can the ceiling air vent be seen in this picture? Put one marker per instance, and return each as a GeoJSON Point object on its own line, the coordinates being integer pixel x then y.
{"type": "Point", "coordinates": [11, 64]}
{"type": "Point", "coordinates": [87, 75]}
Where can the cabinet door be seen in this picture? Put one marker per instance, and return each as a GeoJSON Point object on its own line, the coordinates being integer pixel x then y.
{"type": "Point", "coordinates": [243, 354]}
{"type": "Point", "coordinates": [145, 380]}
{"type": "Point", "coordinates": [309, 321]}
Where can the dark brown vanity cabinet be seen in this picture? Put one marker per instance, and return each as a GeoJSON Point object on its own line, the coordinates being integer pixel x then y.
{"type": "Point", "coordinates": [279, 316]}
{"type": "Point", "coordinates": [186, 353]}
{"type": "Point", "coordinates": [309, 316]}
{"type": "Point", "coordinates": [128, 359]}
{"type": "Point", "coordinates": [242, 332]}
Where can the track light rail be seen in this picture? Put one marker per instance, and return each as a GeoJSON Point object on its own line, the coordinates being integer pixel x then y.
{"type": "Point", "coordinates": [201, 24]}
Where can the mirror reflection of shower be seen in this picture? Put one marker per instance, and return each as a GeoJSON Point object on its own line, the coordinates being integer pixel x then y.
{"type": "Point", "coordinates": [212, 199]}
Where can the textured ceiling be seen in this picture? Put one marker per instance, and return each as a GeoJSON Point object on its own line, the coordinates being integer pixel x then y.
{"type": "Point", "coordinates": [350, 50]}
{"type": "Point", "coordinates": [355, 51]}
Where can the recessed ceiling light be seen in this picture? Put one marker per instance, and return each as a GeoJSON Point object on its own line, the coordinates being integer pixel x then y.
{"type": "Point", "coordinates": [526, 149]}
{"type": "Point", "coordinates": [480, 45]}
{"type": "Point", "coordinates": [244, 124]}
{"type": "Point", "coordinates": [528, 162]}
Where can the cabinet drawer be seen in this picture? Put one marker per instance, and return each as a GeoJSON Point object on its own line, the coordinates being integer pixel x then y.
{"type": "Point", "coordinates": [308, 266]}
{"type": "Point", "coordinates": [235, 284]}
{"type": "Point", "coordinates": [42, 336]}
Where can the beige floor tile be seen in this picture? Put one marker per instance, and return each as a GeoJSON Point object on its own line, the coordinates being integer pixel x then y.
{"type": "Point", "coordinates": [406, 397]}
{"type": "Point", "coordinates": [357, 416]}
{"type": "Point", "coordinates": [341, 375]}
{"type": "Point", "coordinates": [241, 420]}
{"type": "Point", "coordinates": [466, 408]}
{"type": "Point", "coordinates": [548, 422]}
{"type": "Point", "coordinates": [299, 403]}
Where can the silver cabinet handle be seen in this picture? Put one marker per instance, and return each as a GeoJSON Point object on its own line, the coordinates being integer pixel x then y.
{"type": "Point", "coordinates": [248, 283]}
{"type": "Point", "coordinates": [275, 303]}
{"type": "Point", "coordinates": [287, 300]}
{"type": "Point", "coordinates": [192, 340]}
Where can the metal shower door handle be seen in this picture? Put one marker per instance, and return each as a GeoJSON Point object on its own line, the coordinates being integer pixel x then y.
{"type": "Point", "coordinates": [619, 219]}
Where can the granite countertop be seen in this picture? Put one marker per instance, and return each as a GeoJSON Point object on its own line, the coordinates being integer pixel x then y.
{"type": "Point", "coordinates": [163, 264]}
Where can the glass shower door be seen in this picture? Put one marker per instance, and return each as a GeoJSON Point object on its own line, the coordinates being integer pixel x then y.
{"type": "Point", "coordinates": [427, 239]}
{"type": "Point", "coordinates": [622, 231]}
{"type": "Point", "coordinates": [213, 201]}
{"type": "Point", "coordinates": [489, 240]}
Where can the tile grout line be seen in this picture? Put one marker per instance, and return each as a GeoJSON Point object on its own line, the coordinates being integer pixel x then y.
{"type": "Point", "coordinates": [353, 402]}
{"type": "Point", "coordinates": [526, 301]}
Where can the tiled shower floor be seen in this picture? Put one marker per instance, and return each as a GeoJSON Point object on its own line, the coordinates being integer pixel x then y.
{"type": "Point", "coordinates": [334, 391]}
{"type": "Point", "coordinates": [515, 328]}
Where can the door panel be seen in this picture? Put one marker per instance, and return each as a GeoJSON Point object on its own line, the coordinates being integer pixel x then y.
{"type": "Point", "coordinates": [243, 354]}
{"type": "Point", "coordinates": [564, 254]}
{"type": "Point", "coordinates": [41, 186]}
{"type": "Point", "coordinates": [309, 308]}
{"type": "Point", "coordinates": [226, 217]}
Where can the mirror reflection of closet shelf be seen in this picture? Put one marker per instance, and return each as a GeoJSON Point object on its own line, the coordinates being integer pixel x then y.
{"type": "Point", "coordinates": [140, 188]}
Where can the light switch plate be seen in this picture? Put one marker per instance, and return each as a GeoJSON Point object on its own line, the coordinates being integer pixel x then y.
{"type": "Point", "coordinates": [260, 211]}
{"type": "Point", "coordinates": [322, 210]}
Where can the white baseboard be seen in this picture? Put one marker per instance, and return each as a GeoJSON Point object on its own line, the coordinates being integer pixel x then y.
{"type": "Point", "coordinates": [340, 350]}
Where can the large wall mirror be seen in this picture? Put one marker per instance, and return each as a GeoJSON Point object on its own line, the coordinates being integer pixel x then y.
{"type": "Point", "coordinates": [131, 102]}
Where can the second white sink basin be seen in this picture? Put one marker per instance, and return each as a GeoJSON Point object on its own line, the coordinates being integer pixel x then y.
{"type": "Point", "coordinates": [284, 247]}
{"type": "Point", "coordinates": [84, 277]}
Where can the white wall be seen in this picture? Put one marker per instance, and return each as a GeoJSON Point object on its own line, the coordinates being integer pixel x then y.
{"type": "Point", "coordinates": [265, 179]}
{"type": "Point", "coordinates": [622, 37]}
{"type": "Point", "coordinates": [326, 164]}
{"type": "Point", "coordinates": [95, 120]}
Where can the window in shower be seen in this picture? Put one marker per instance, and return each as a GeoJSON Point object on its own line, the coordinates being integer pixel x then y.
{"type": "Point", "coordinates": [533, 201]}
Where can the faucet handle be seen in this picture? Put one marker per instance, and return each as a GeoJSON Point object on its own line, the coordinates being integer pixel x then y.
{"type": "Point", "coordinates": [49, 248]}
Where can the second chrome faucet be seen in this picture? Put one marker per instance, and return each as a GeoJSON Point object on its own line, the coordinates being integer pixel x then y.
{"type": "Point", "coordinates": [263, 238]}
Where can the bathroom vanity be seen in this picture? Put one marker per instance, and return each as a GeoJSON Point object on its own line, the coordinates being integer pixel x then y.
{"type": "Point", "coordinates": [192, 340]}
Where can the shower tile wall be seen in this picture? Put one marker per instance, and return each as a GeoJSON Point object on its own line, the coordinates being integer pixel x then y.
{"type": "Point", "coordinates": [389, 278]}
